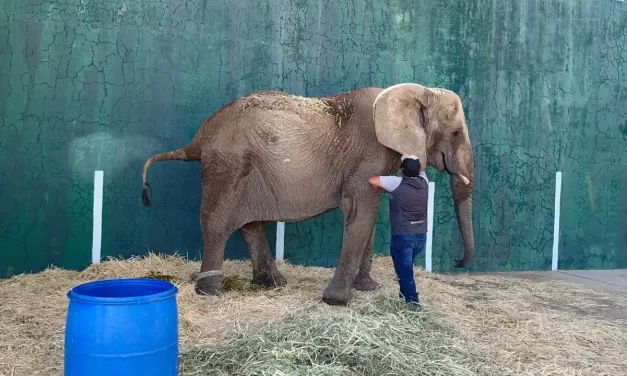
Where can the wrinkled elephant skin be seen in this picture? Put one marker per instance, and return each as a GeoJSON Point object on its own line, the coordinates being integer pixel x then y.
{"type": "Point", "coordinates": [272, 156]}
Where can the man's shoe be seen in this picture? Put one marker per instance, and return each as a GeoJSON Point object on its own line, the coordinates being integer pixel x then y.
{"type": "Point", "coordinates": [414, 302]}
{"type": "Point", "coordinates": [415, 305]}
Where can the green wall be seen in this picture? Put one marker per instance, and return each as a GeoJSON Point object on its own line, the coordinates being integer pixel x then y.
{"type": "Point", "coordinates": [89, 84]}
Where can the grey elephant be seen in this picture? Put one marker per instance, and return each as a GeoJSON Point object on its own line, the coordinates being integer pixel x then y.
{"type": "Point", "coordinates": [271, 156]}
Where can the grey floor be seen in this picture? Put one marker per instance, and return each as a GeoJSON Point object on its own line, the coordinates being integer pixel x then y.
{"type": "Point", "coordinates": [611, 283]}
{"type": "Point", "coordinates": [608, 280]}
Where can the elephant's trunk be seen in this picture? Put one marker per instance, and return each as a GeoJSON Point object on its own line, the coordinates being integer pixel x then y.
{"type": "Point", "coordinates": [462, 197]}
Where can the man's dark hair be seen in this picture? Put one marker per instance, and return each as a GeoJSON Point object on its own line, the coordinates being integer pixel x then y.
{"type": "Point", "coordinates": [411, 167]}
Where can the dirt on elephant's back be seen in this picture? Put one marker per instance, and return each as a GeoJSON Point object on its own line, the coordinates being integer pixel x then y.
{"type": "Point", "coordinates": [279, 101]}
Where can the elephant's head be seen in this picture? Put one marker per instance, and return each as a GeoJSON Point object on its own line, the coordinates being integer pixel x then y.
{"type": "Point", "coordinates": [430, 123]}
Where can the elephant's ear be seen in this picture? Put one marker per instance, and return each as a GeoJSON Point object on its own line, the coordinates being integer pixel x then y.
{"type": "Point", "coordinates": [401, 114]}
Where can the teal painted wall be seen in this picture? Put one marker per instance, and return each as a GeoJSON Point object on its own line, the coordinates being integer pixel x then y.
{"type": "Point", "coordinates": [87, 85]}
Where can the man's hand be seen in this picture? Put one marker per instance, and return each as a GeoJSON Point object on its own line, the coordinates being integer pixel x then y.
{"type": "Point", "coordinates": [375, 182]}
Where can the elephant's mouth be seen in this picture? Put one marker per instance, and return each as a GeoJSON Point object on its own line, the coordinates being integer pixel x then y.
{"type": "Point", "coordinates": [463, 178]}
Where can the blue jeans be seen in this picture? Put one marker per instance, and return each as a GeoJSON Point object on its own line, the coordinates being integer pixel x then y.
{"type": "Point", "coordinates": [404, 249]}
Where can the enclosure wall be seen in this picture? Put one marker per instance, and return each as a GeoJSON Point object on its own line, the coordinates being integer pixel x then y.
{"type": "Point", "coordinates": [91, 85]}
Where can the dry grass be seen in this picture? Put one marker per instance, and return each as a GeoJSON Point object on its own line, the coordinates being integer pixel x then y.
{"type": "Point", "coordinates": [471, 325]}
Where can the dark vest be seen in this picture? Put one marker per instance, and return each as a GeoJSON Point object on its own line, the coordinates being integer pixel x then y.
{"type": "Point", "coordinates": [408, 207]}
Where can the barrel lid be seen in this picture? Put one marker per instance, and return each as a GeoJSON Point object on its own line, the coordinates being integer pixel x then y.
{"type": "Point", "coordinates": [123, 291]}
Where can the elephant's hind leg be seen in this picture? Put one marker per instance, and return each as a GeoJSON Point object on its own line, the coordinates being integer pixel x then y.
{"type": "Point", "coordinates": [210, 279]}
{"type": "Point", "coordinates": [215, 233]}
{"type": "Point", "coordinates": [218, 219]}
{"type": "Point", "coordinates": [265, 272]}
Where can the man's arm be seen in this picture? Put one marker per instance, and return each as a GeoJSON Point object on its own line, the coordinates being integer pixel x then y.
{"type": "Point", "coordinates": [375, 183]}
{"type": "Point", "coordinates": [424, 176]}
{"type": "Point", "coordinates": [384, 184]}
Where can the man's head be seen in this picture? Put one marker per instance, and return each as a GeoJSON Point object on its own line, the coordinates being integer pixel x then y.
{"type": "Point", "coordinates": [410, 165]}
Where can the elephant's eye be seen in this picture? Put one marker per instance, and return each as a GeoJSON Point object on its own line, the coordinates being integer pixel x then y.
{"type": "Point", "coordinates": [456, 133]}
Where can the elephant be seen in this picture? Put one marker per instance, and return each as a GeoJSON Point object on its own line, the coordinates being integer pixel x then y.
{"type": "Point", "coordinates": [273, 156]}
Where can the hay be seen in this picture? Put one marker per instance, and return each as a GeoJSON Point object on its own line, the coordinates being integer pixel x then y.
{"type": "Point", "coordinates": [471, 325]}
{"type": "Point", "coordinates": [379, 338]}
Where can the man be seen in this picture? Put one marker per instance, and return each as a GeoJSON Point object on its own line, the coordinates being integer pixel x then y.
{"type": "Point", "coordinates": [408, 218]}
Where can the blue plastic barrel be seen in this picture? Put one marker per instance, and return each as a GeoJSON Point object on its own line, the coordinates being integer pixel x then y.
{"type": "Point", "coordinates": [120, 327]}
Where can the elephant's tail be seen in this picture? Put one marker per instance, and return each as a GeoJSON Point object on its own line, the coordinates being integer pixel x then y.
{"type": "Point", "coordinates": [183, 154]}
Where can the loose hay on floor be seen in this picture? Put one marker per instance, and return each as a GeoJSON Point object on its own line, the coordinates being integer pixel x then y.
{"type": "Point", "coordinates": [471, 325]}
{"type": "Point", "coordinates": [379, 338]}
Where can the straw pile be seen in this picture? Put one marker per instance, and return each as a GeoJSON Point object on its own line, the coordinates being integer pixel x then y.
{"type": "Point", "coordinates": [470, 325]}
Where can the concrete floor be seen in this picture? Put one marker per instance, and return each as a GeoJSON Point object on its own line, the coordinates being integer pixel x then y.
{"type": "Point", "coordinates": [612, 284]}
{"type": "Point", "coordinates": [608, 280]}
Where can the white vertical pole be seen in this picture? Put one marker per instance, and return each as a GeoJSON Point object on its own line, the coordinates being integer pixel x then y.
{"type": "Point", "coordinates": [428, 251]}
{"type": "Point", "coordinates": [97, 230]}
{"type": "Point", "coordinates": [556, 218]}
{"type": "Point", "coordinates": [280, 240]}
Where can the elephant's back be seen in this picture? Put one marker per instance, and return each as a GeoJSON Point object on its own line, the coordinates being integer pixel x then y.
{"type": "Point", "coordinates": [276, 119]}
{"type": "Point", "coordinates": [339, 108]}
{"type": "Point", "coordinates": [277, 123]}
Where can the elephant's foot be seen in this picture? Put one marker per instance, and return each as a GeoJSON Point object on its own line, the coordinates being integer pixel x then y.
{"type": "Point", "coordinates": [337, 295]}
{"type": "Point", "coordinates": [212, 285]}
{"type": "Point", "coordinates": [365, 283]}
{"type": "Point", "coordinates": [272, 278]}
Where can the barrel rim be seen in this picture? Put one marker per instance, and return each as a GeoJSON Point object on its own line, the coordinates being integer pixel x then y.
{"type": "Point", "coordinates": [75, 295]}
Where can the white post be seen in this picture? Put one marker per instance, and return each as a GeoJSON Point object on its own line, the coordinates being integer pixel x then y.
{"type": "Point", "coordinates": [428, 250]}
{"type": "Point", "coordinates": [280, 240]}
{"type": "Point", "coordinates": [556, 218]}
{"type": "Point", "coordinates": [97, 230]}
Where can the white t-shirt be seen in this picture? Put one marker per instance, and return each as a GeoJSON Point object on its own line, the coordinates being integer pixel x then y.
{"type": "Point", "coordinates": [390, 183]}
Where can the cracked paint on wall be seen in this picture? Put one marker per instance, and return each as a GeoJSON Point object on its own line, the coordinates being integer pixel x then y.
{"type": "Point", "coordinates": [87, 85]}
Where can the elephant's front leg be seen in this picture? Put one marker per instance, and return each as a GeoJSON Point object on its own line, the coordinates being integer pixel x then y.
{"type": "Point", "coordinates": [360, 217]}
{"type": "Point", "coordinates": [364, 281]}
